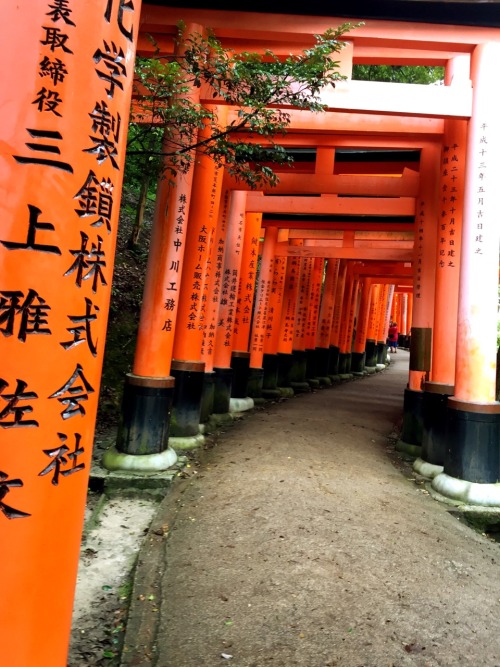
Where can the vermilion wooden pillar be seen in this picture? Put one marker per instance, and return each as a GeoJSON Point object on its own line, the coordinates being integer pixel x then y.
{"type": "Point", "coordinates": [187, 365]}
{"type": "Point", "coordinates": [426, 220]}
{"type": "Point", "coordinates": [287, 321]}
{"type": "Point", "coordinates": [271, 339]}
{"type": "Point", "coordinates": [337, 319]}
{"type": "Point", "coordinates": [472, 452]}
{"type": "Point", "coordinates": [299, 366]}
{"type": "Point", "coordinates": [388, 299]}
{"type": "Point", "coordinates": [345, 336]}
{"type": "Point", "coordinates": [449, 236]}
{"type": "Point", "coordinates": [313, 317]}
{"type": "Point", "coordinates": [216, 267]}
{"type": "Point", "coordinates": [148, 391]}
{"type": "Point", "coordinates": [326, 316]}
{"type": "Point", "coordinates": [66, 84]}
{"type": "Point", "coordinates": [359, 349]}
{"type": "Point", "coordinates": [240, 358]}
{"type": "Point", "coordinates": [229, 284]}
{"type": "Point", "coordinates": [371, 335]}
{"type": "Point", "coordinates": [262, 296]}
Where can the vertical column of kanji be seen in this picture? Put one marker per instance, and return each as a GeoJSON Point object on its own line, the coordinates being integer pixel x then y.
{"type": "Point", "coordinates": [337, 319]}
{"type": "Point", "coordinates": [227, 301]}
{"type": "Point", "coordinates": [424, 263]}
{"type": "Point", "coordinates": [472, 452]}
{"type": "Point", "coordinates": [240, 358]}
{"type": "Point", "coordinates": [312, 317]}
{"type": "Point", "coordinates": [344, 344]}
{"type": "Point", "coordinates": [212, 304]}
{"type": "Point", "coordinates": [326, 317]}
{"type": "Point", "coordinates": [449, 238]}
{"type": "Point", "coordinates": [359, 354]}
{"type": "Point", "coordinates": [262, 295]}
{"type": "Point", "coordinates": [272, 329]}
{"type": "Point", "coordinates": [299, 366]}
{"type": "Point", "coordinates": [409, 317]}
{"type": "Point", "coordinates": [371, 334]}
{"type": "Point", "coordinates": [285, 343]}
{"type": "Point", "coordinates": [187, 364]}
{"type": "Point", "coordinates": [66, 72]}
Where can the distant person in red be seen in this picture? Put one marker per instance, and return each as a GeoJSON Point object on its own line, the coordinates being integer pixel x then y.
{"type": "Point", "coordinates": [392, 339]}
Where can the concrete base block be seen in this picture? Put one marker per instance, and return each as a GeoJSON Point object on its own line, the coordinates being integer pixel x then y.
{"type": "Point", "coordinates": [345, 377]}
{"type": "Point", "coordinates": [286, 392]}
{"type": "Point", "coordinates": [325, 381]}
{"type": "Point", "coordinates": [188, 442]}
{"type": "Point", "coordinates": [115, 460]}
{"type": "Point", "coordinates": [407, 448]}
{"type": "Point", "coordinates": [335, 379]}
{"type": "Point", "coordinates": [314, 383]}
{"type": "Point", "coordinates": [271, 394]}
{"type": "Point", "coordinates": [379, 367]}
{"type": "Point", "coordinates": [429, 470]}
{"type": "Point", "coordinates": [470, 493]}
{"type": "Point", "coordinates": [241, 404]}
{"type": "Point", "coordinates": [300, 387]}
{"type": "Point", "coordinates": [370, 370]}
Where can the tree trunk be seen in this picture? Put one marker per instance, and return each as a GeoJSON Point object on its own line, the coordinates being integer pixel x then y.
{"type": "Point", "coordinates": [139, 214]}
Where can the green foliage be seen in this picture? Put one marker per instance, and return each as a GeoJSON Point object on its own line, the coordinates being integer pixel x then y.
{"type": "Point", "coordinates": [261, 88]}
{"type": "Point", "coordinates": [398, 73]}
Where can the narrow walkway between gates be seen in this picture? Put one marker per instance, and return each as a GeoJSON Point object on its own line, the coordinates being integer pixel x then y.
{"type": "Point", "coordinates": [299, 542]}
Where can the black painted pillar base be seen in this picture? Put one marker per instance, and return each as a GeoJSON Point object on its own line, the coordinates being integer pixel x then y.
{"type": "Point", "coordinates": [222, 390]}
{"type": "Point", "coordinates": [322, 361]}
{"type": "Point", "coordinates": [285, 362]}
{"type": "Point", "coordinates": [333, 368]}
{"type": "Point", "coordinates": [381, 352]}
{"type": "Point", "coordinates": [371, 352]}
{"type": "Point", "coordinates": [240, 363]}
{"type": "Point", "coordinates": [207, 397]}
{"type": "Point", "coordinates": [255, 382]}
{"type": "Point", "coordinates": [270, 365]}
{"type": "Point", "coordinates": [146, 410]}
{"type": "Point", "coordinates": [358, 363]}
{"type": "Point", "coordinates": [434, 421]}
{"type": "Point", "coordinates": [473, 438]}
{"type": "Point", "coordinates": [344, 363]}
{"type": "Point", "coordinates": [297, 371]}
{"type": "Point", "coordinates": [186, 406]}
{"type": "Point", "coordinates": [311, 370]}
{"type": "Point", "coordinates": [411, 436]}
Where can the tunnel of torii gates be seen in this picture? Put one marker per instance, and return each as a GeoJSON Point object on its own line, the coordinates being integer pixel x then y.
{"type": "Point", "coordinates": [391, 210]}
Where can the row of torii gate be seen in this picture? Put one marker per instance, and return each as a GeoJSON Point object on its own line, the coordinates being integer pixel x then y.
{"type": "Point", "coordinates": [391, 210]}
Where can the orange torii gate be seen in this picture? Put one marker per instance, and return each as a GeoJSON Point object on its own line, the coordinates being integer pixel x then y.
{"type": "Point", "coordinates": [62, 161]}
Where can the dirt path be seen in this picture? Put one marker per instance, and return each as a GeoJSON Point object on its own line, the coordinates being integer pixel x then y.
{"type": "Point", "coordinates": [298, 543]}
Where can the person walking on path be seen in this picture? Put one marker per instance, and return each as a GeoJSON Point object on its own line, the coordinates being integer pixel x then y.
{"type": "Point", "coordinates": [392, 339]}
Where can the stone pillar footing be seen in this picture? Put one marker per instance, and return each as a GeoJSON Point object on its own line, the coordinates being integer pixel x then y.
{"type": "Point", "coordinates": [426, 469]}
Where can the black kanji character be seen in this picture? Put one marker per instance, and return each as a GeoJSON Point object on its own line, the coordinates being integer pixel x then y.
{"type": "Point", "coordinates": [60, 10]}
{"type": "Point", "coordinates": [92, 259]}
{"type": "Point", "coordinates": [55, 39]}
{"type": "Point", "coordinates": [108, 127]}
{"type": "Point", "coordinates": [6, 485]}
{"type": "Point", "coordinates": [83, 332]}
{"type": "Point", "coordinates": [95, 198]}
{"type": "Point", "coordinates": [71, 394]}
{"type": "Point", "coordinates": [123, 6]}
{"type": "Point", "coordinates": [59, 459]}
{"type": "Point", "coordinates": [48, 100]}
{"type": "Point", "coordinates": [44, 148]}
{"type": "Point", "coordinates": [55, 69]}
{"type": "Point", "coordinates": [113, 59]}
{"type": "Point", "coordinates": [13, 409]}
{"type": "Point", "coordinates": [33, 227]}
{"type": "Point", "coordinates": [33, 312]}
